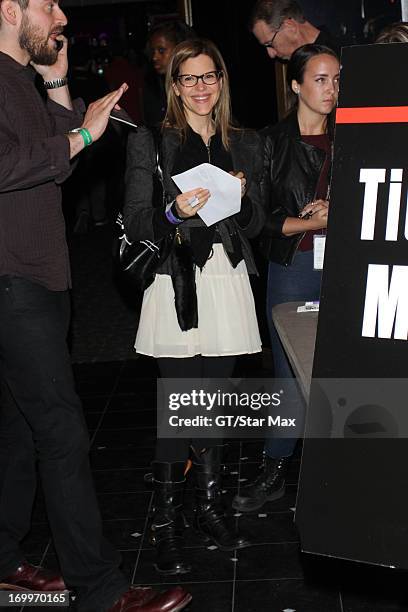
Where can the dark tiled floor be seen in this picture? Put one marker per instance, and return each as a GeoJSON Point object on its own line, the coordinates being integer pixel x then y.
{"type": "Point", "coordinates": [271, 576]}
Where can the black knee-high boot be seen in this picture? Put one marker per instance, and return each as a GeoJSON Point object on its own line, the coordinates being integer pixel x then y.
{"type": "Point", "coordinates": [168, 521]}
{"type": "Point", "coordinates": [210, 519]}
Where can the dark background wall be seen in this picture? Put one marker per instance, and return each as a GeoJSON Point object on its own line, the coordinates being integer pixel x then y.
{"type": "Point", "coordinates": [252, 73]}
{"type": "Point", "coordinates": [225, 22]}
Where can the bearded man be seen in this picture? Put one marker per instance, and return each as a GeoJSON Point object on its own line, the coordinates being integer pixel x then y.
{"type": "Point", "coordinates": [41, 418]}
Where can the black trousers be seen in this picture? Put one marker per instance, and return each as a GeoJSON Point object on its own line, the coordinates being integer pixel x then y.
{"type": "Point", "coordinates": [41, 420]}
{"type": "Point", "coordinates": [167, 449]}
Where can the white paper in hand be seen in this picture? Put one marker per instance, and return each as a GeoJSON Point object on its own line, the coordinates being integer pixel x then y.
{"type": "Point", "coordinates": [225, 189]}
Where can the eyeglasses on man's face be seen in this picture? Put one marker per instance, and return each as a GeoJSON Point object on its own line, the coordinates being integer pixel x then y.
{"type": "Point", "coordinates": [269, 43]}
{"type": "Point", "coordinates": [208, 78]}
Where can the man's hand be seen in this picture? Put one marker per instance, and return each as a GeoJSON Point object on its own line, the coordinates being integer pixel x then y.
{"type": "Point", "coordinates": [96, 118]}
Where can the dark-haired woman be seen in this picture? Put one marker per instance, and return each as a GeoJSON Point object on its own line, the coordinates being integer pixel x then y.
{"type": "Point", "coordinates": [298, 154]}
{"type": "Point", "coordinates": [199, 312]}
{"type": "Point", "coordinates": [163, 38]}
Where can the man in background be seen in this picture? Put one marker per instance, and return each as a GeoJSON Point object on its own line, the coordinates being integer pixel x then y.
{"type": "Point", "coordinates": [281, 27]}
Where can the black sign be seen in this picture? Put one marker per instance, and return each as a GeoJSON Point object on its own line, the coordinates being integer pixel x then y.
{"type": "Point", "coordinates": [353, 498]}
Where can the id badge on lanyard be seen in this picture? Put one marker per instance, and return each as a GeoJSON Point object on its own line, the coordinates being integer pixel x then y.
{"type": "Point", "coordinates": [319, 242]}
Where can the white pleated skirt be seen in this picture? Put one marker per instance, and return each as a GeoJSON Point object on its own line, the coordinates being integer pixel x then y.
{"type": "Point", "coordinates": [227, 323]}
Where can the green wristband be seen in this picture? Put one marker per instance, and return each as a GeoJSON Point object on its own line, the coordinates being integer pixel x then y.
{"type": "Point", "coordinates": [87, 138]}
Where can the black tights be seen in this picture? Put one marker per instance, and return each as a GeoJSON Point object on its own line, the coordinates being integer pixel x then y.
{"type": "Point", "coordinates": [167, 449]}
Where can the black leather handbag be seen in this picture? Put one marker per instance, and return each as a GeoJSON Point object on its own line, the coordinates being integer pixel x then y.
{"type": "Point", "coordinates": [137, 262]}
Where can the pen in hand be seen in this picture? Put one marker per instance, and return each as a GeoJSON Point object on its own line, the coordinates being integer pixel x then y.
{"type": "Point", "coordinates": [311, 209]}
{"type": "Point", "coordinates": [307, 215]}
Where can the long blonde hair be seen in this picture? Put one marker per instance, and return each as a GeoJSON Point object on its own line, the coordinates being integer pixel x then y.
{"type": "Point", "coordinates": [175, 116]}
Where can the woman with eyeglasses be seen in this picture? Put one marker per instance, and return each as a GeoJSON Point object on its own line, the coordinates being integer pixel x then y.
{"type": "Point", "coordinates": [298, 155]}
{"type": "Point", "coordinates": [199, 313]}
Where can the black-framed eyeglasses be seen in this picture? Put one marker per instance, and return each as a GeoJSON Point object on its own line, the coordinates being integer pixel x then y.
{"type": "Point", "coordinates": [209, 78]}
{"type": "Point", "coordinates": [269, 44]}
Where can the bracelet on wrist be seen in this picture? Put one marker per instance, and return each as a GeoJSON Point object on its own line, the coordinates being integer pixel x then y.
{"type": "Point", "coordinates": [173, 209]}
{"type": "Point", "coordinates": [170, 217]}
{"type": "Point", "coordinates": [171, 213]}
{"type": "Point", "coordinates": [86, 136]}
{"type": "Point", "coordinates": [55, 83]}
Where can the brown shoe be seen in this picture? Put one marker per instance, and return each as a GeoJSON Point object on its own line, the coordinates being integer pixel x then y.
{"type": "Point", "coordinates": [145, 599]}
{"type": "Point", "coordinates": [32, 578]}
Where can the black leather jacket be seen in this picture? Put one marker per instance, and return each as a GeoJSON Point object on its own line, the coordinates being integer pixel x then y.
{"type": "Point", "coordinates": [292, 169]}
{"type": "Point", "coordinates": [142, 221]}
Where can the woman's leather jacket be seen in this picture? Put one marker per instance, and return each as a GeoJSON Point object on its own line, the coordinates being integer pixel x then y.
{"type": "Point", "coordinates": [144, 219]}
{"type": "Point", "coordinates": [141, 216]}
{"type": "Point", "coordinates": [291, 173]}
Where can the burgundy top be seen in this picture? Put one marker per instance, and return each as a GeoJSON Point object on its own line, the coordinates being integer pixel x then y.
{"type": "Point", "coordinates": [320, 141]}
{"type": "Point", "coordinates": [34, 160]}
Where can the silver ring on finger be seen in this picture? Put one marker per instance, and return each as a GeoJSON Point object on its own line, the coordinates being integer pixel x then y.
{"type": "Point", "coordinates": [194, 201]}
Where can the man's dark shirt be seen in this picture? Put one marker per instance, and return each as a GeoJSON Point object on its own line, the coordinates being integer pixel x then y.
{"type": "Point", "coordinates": [34, 160]}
